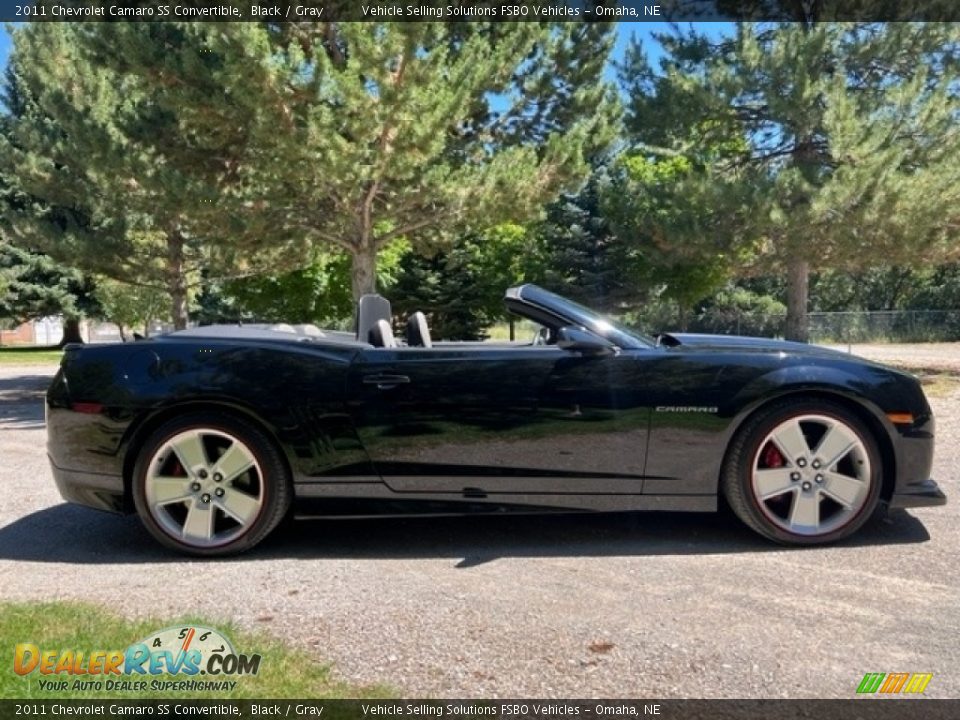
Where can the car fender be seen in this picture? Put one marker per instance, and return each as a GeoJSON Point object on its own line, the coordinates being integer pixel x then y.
{"type": "Point", "coordinates": [799, 379]}
{"type": "Point", "coordinates": [821, 382]}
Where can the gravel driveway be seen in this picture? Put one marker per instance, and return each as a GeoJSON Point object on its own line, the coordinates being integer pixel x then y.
{"type": "Point", "coordinates": [929, 357]}
{"type": "Point", "coordinates": [579, 606]}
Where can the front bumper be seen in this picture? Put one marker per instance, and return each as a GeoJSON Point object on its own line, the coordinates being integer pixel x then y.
{"type": "Point", "coordinates": [100, 492]}
{"type": "Point", "coordinates": [920, 494]}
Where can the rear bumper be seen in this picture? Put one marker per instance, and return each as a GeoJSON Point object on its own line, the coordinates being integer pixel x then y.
{"type": "Point", "coordinates": [100, 492]}
{"type": "Point", "coordinates": [921, 494]}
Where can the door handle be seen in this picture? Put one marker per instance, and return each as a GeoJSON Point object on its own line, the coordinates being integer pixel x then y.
{"type": "Point", "coordinates": [385, 382]}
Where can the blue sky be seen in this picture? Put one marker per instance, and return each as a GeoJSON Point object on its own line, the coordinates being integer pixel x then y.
{"type": "Point", "coordinates": [624, 32]}
{"type": "Point", "coordinates": [4, 46]}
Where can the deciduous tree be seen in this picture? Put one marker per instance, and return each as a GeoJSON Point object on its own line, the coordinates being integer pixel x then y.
{"type": "Point", "coordinates": [131, 306]}
{"type": "Point", "coordinates": [663, 209]}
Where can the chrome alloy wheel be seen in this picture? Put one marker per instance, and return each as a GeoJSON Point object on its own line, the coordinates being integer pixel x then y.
{"type": "Point", "coordinates": [204, 487]}
{"type": "Point", "coordinates": [811, 475]}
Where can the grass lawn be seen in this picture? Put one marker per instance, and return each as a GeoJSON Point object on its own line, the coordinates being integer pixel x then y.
{"type": "Point", "coordinates": [30, 356]}
{"type": "Point", "coordinates": [60, 626]}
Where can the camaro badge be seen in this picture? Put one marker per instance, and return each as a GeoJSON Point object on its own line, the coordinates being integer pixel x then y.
{"type": "Point", "coordinates": [687, 408]}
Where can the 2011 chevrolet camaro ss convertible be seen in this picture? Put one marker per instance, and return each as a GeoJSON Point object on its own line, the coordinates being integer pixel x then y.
{"type": "Point", "coordinates": [214, 434]}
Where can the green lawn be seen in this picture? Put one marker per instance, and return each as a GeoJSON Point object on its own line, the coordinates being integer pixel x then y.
{"type": "Point", "coordinates": [60, 626]}
{"type": "Point", "coordinates": [30, 355]}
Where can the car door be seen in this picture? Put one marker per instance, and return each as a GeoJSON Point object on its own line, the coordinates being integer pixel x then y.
{"type": "Point", "coordinates": [473, 419]}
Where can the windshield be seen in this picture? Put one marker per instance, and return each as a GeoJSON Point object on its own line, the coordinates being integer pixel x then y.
{"type": "Point", "coordinates": [615, 332]}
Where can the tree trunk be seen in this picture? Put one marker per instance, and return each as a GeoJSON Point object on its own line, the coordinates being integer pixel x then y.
{"type": "Point", "coordinates": [798, 285]}
{"type": "Point", "coordinates": [363, 272]}
{"type": "Point", "coordinates": [123, 333]}
{"type": "Point", "coordinates": [71, 331]}
{"type": "Point", "coordinates": [177, 281]}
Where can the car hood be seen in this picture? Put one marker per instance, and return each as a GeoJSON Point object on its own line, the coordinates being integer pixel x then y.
{"type": "Point", "coordinates": [694, 341]}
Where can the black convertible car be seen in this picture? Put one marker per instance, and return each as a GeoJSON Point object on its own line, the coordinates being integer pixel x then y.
{"type": "Point", "coordinates": [213, 434]}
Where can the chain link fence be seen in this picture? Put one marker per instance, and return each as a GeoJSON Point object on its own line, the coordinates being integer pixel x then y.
{"type": "Point", "coordinates": [890, 326]}
{"type": "Point", "coordinates": [840, 327]}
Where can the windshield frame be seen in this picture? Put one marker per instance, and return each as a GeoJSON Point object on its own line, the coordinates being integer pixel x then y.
{"type": "Point", "coordinates": [570, 312]}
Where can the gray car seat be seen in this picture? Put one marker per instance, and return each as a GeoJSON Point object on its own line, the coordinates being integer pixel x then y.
{"type": "Point", "coordinates": [381, 335]}
{"type": "Point", "coordinates": [418, 333]}
{"type": "Point", "coordinates": [370, 309]}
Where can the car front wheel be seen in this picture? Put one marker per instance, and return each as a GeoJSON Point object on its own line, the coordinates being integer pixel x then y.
{"type": "Point", "coordinates": [803, 472]}
{"type": "Point", "coordinates": [210, 484]}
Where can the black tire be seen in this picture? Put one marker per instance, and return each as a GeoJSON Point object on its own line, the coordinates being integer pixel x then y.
{"type": "Point", "coordinates": [273, 481]}
{"type": "Point", "coordinates": [737, 476]}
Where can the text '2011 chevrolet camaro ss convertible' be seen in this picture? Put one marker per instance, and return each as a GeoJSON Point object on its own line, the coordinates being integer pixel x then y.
{"type": "Point", "coordinates": [214, 434]}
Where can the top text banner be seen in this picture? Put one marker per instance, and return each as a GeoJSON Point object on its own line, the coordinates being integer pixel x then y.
{"type": "Point", "coordinates": [479, 10]}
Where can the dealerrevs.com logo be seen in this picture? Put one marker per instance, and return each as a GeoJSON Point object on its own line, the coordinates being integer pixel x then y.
{"type": "Point", "coordinates": [189, 651]}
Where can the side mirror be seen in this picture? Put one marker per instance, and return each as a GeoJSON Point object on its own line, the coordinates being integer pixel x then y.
{"type": "Point", "coordinates": [581, 340]}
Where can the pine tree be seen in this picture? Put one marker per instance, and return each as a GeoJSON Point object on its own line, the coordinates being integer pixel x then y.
{"type": "Point", "coordinates": [460, 286]}
{"type": "Point", "coordinates": [33, 286]}
{"type": "Point", "coordinates": [849, 138]}
{"type": "Point", "coordinates": [360, 135]}
{"type": "Point", "coordinates": [576, 251]}
{"type": "Point", "coordinates": [105, 168]}
{"type": "Point", "coordinates": [150, 152]}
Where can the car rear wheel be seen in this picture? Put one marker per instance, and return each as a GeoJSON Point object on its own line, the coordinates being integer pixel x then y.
{"type": "Point", "coordinates": [210, 484]}
{"type": "Point", "coordinates": [803, 472]}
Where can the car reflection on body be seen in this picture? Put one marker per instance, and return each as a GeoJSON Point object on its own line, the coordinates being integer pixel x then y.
{"type": "Point", "coordinates": [214, 434]}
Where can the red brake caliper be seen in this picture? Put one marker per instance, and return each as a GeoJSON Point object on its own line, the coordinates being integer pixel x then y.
{"type": "Point", "coordinates": [771, 456]}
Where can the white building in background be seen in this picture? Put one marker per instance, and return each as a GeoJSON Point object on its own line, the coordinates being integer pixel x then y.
{"type": "Point", "coordinates": [48, 331]}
